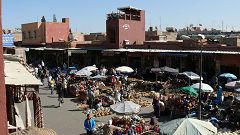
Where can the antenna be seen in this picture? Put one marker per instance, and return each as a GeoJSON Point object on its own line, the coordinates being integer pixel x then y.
{"type": "Point", "coordinates": [222, 25]}
{"type": "Point", "coordinates": [54, 18]}
{"type": "Point", "coordinates": [160, 27]}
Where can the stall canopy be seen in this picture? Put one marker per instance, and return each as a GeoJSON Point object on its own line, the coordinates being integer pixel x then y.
{"type": "Point", "coordinates": [204, 87]}
{"type": "Point", "coordinates": [90, 68]}
{"type": "Point", "coordinates": [125, 69]}
{"type": "Point", "coordinates": [228, 75]}
{"type": "Point", "coordinates": [189, 90]}
{"type": "Point", "coordinates": [233, 84]}
{"type": "Point", "coordinates": [169, 70]}
{"type": "Point", "coordinates": [126, 107]}
{"type": "Point", "coordinates": [188, 126]}
{"type": "Point", "coordinates": [191, 75]}
{"type": "Point", "coordinates": [17, 74]}
{"type": "Point", "coordinates": [83, 72]}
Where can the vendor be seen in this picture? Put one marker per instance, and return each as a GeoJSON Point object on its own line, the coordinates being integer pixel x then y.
{"type": "Point", "coordinates": [108, 129]}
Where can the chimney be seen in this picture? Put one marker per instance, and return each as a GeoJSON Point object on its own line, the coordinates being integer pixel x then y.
{"type": "Point", "coordinates": [150, 28]}
{"type": "Point", "coordinates": [65, 20]}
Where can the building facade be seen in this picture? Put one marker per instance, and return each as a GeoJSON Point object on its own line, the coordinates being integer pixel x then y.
{"type": "Point", "coordinates": [38, 33]}
{"type": "Point", "coordinates": [125, 27]}
{"type": "Point", "coordinates": [3, 105]}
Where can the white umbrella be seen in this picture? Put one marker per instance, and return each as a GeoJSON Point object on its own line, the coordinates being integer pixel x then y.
{"type": "Point", "coordinates": [204, 87]}
{"type": "Point", "coordinates": [83, 72]}
{"type": "Point", "coordinates": [125, 69]}
{"type": "Point", "coordinates": [233, 84]}
{"type": "Point", "coordinates": [99, 77]}
{"type": "Point", "coordinates": [188, 126]}
{"type": "Point", "coordinates": [191, 75]}
{"type": "Point", "coordinates": [90, 68]}
{"type": "Point", "coordinates": [126, 107]}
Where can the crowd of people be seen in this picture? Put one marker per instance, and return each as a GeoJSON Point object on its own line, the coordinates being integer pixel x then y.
{"type": "Point", "coordinates": [179, 105]}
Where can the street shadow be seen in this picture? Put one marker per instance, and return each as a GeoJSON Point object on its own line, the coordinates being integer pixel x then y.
{"type": "Point", "coordinates": [146, 115]}
{"type": "Point", "coordinates": [75, 100]}
{"type": "Point", "coordinates": [43, 93]}
{"type": "Point", "coordinates": [52, 96]}
{"type": "Point", "coordinates": [75, 110]}
{"type": "Point", "coordinates": [50, 106]}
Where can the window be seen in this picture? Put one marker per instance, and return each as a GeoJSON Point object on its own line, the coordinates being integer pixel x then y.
{"type": "Point", "coordinates": [24, 35]}
{"type": "Point", "coordinates": [112, 35]}
{"type": "Point", "coordinates": [35, 34]}
{"type": "Point", "coordinates": [29, 34]}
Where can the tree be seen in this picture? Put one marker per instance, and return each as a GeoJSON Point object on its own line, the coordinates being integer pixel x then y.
{"type": "Point", "coordinates": [54, 18]}
{"type": "Point", "coordinates": [43, 19]}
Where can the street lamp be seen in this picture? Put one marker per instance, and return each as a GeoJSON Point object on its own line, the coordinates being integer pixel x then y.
{"type": "Point", "coordinates": [201, 37]}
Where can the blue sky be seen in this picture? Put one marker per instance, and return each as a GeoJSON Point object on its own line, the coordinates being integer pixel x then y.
{"type": "Point", "coordinates": [90, 15]}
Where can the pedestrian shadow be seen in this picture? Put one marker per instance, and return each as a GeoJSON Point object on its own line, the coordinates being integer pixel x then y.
{"type": "Point", "coordinates": [75, 100]}
{"type": "Point", "coordinates": [75, 110]}
{"type": "Point", "coordinates": [50, 106]}
{"type": "Point", "coordinates": [44, 93]}
{"type": "Point", "coordinates": [52, 96]}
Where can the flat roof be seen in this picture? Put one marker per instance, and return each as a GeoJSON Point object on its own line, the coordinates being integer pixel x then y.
{"type": "Point", "coordinates": [128, 7]}
{"type": "Point", "coordinates": [17, 74]}
{"type": "Point", "coordinates": [171, 51]}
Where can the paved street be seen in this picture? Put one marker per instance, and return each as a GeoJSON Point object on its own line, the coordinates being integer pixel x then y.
{"type": "Point", "coordinates": [68, 120]}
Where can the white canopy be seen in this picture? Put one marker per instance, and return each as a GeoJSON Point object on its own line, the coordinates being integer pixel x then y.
{"type": "Point", "coordinates": [90, 68]}
{"type": "Point", "coordinates": [126, 107]}
{"type": "Point", "coordinates": [17, 74]}
{"type": "Point", "coordinates": [188, 126]}
{"type": "Point", "coordinates": [125, 69]}
{"type": "Point", "coordinates": [83, 72]}
{"type": "Point", "coordinates": [204, 87]}
{"type": "Point", "coordinates": [233, 84]}
{"type": "Point", "coordinates": [191, 75]}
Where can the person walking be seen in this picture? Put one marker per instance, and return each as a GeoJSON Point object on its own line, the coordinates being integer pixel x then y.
{"type": "Point", "coordinates": [52, 84]}
{"type": "Point", "coordinates": [60, 90]}
{"type": "Point", "coordinates": [89, 124]}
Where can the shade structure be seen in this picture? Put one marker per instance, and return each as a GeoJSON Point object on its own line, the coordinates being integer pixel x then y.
{"type": "Point", "coordinates": [83, 72]}
{"type": "Point", "coordinates": [237, 90]}
{"type": "Point", "coordinates": [169, 70]}
{"type": "Point", "coordinates": [204, 87]}
{"type": "Point", "coordinates": [237, 99]}
{"type": "Point", "coordinates": [125, 69]}
{"type": "Point", "coordinates": [90, 68]}
{"type": "Point", "coordinates": [189, 90]}
{"type": "Point", "coordinates": [188, 126]}
{"type": "Point", "coordinates": [228, 75]}
{"type": "Point", "coordinates": [98, 77]}
{"type": "Point", "coordinates": [191, 75]}
{"type": "Point", "coordinates": [35, 131]}
{"type": "Point", "coordinates": [233, 84]}
{"type": "Point", "coordinates": [126, 107]}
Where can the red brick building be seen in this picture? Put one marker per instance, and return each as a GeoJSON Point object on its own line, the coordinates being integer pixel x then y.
{"type": "Point", "coordinates": [125, 27]}
{"type": "Point", "coordinates": [41, 33]}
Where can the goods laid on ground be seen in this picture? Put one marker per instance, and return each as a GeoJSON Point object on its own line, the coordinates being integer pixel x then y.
{"type": "Point", "coordinates": [141, 102]}
{"type": "Point", "coordinates": [142, 94]}
{"type": "Point", "coordinates": [121, 121]}
{"type": "Point", "coordinates": [74, 90]}
{"type": "Point", "coordinates": [82, 106]}
{"type": "Point", "coordinates": [104, 111]}
{"type": "Point", "coordinates": [227, 132]}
